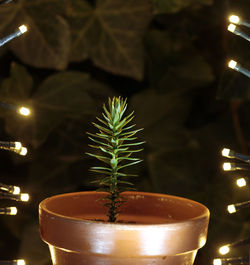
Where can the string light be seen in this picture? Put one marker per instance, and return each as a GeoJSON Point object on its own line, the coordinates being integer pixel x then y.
{"type": "Point", "coordinates": [238, 260]}
{"type": "Point", "coordinates": [235, 66]}
{"type": "Point", "coordinates": [232, 154]}
{"type": "Point", "coordinates": [12, 262]}
{"type": "Point", "coordinates": [5, 2]}
{"type": "Point", "coordinates": [237, 20]}
{"type": "Point", "coordinates": [232, 208]}
{"type": "Point", "coordinates": [13, 192]}
{"type": "Point", "coordinates": [24, 111]}
{"type": "Point", "coordinates": [227, 166]}
{"type": "Point", "coordinates": [224, 250]}
{"type": "Point", "coordinates": [22, 29]}
{"type": "Point", "coordinates": [13, 146]}
{"type": "Point", "coordinates": [241, 182]}
{"type": "Point", "coordinates": [9, 188]}
{"type": "Point", "coordinates": [23, 151]}
{"type": "Point", "coordinates": [17, 197]}
{"type": "Point", "coordinates": [24, 197]}
{"type": "Point", "coordinates": [8, 211]}
{"type": "Point", "coordinates": [235, 30]}
{"type": "Point", "coordinates": [225, 152]}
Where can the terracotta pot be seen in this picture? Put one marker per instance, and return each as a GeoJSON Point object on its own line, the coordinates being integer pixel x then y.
{"type": "Point", "coordinates": [153, 229]}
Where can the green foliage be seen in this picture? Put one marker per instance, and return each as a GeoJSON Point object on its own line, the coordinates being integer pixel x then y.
{"type": "Point", "coordinates": [115, 139]}
{"type": "Point", "coordinates": [109, 33]}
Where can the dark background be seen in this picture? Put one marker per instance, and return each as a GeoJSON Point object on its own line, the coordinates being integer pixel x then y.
{"type": "Point", "coordinates": [169, 58]}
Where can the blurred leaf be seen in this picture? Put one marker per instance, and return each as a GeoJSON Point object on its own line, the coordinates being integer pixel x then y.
{"type": "Point", "coordinates": [18, 86]}
{"type": "Point", "coordinates": [47, 42]}
{"type": "Point", "coordinates": [174, 62]}
{"type": "Point", "coordinates": [163, 126]}
{"type": "Point", "coordinates": [60, 96]}
{"type": "Point", "coordinates": [16, 90]}
{"type": "Point", "coordinates": [174, 6]}
{"type": "Point", "coordinates": [110, 34]}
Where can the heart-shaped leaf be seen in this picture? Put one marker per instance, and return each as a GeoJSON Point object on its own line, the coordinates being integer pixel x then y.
{"type": "Point", "coordinates": [110, 34]}
{"type": "Point", "coordinates": [47, 42]}
{"type": "Point", "coordinates": [61, 96]}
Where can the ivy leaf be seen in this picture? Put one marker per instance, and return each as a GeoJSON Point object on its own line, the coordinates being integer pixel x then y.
{"type": "Point", "coordinates": [163, 127]}
{"type": "Point", "coordinates": [47, 42]}
{"type": "Point", "coordinates": [66, 95]}
{"type": "Point", "coordinates": [110, 34]}
{"type": "Point", "coordinates": [17, 86]}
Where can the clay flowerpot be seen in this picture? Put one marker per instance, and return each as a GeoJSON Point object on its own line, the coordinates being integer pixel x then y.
{"type": "Point", "coordinates": [153, 229]}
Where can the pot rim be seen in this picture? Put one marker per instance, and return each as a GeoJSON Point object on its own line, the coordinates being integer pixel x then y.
{"type": "Point", "coordinates": [205, 214]}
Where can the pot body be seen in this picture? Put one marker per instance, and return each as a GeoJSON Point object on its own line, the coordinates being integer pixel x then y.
{"type": "Point", "coordinates": [152, 229]}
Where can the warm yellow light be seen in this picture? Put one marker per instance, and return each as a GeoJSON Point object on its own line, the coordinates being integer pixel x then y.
{"type": "Point", "coordinates": [24, 197]}
{"type": "Point", "coordinates": [232, 64]}
{"type": "Point", "coordinates": [23, 151]}
{"type": "Point", "coordinates": [231, 208]}
{"type": "Point", "coordinates": [225, 152]}
{"type": "Point", "coordinates": [234, 19]}
{"type": "Point", "coordinates": [224, 250]}
{"type": "Point", "coordinates": [227, 166]}
{"type": "Point", "coordinates": [20, 262]}
{"type": "Point", "coordinates": [24, 111]}
{"type": "Point", "coordinates": [16, 190]}
{"type": "Point", "coordinates": [217, 262]}
{"type": "Point", "coordinates": [18, 145]}
{"type": "Point", "coordinates": [13, 210]}
{"type": "Point", "coordinates": [241, 182]}
{"type": "Point", "coordinates": [23, 29]}
{"type": "Point", "coordinates": [202, 241]}
{"type": "Point", "coordinates": [231, 28]}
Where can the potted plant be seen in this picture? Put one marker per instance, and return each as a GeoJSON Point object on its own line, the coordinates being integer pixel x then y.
{"type": "Point", "coordinates": [115, 226]}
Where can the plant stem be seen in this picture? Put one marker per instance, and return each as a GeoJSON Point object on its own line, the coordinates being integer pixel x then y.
{"type": "Point", "coordinates": [113, 186]}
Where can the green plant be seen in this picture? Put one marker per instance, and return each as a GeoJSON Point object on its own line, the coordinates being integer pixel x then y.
{"type": "Point", "coordinates": [114, 140]}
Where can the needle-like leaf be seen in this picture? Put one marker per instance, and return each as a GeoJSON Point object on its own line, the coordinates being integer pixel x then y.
{"type": "Point", "coordinates": [113, 135]}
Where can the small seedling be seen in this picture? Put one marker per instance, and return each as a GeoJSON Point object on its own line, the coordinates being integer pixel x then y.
{"type": "Point", "coordinates": [115, 139]}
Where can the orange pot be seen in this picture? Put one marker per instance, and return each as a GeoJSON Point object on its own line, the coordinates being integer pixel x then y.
{"type": "Point", "coordinates": [153, 229]}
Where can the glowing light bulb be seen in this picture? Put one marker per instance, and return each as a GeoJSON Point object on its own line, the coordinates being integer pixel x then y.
{"type": "Point", "coordinates": [227, 166]}
{"type": "Point", "coordinates": [23, 29]}
{"type": "Point", "coordinates": [231, 28]}
{"type": "Point", "coordinates": [20, 262]}
{"type": "Point", "coordinates": [13, 210]}
{"type": "Point", "coordinates": [225, 152]}
{"type": "Point", "coordinates": [224, 250]}
{"type": "Point", "coordinates": [232, 64]}
{"type": "Point", "coordinates": [24, 197]}
{"type": "Point", "coordinates": [23, 151]}
{"type": "Point", "coordinates": [231, 208]}
{"type": "Point", "coordinates": [217, 262]}
{"type": "Point", "coordinates": [16, 190]}
{"type": "Point", "coordinates": [18, 145]}
{"type": "Point", "coordinates": [24, 111]}
{"type": "Point", "coordinates": [241, 182]}
{"type": "Point", "coordinates": [234, 19]}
